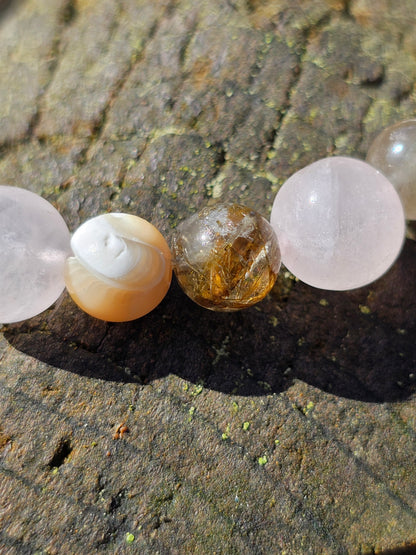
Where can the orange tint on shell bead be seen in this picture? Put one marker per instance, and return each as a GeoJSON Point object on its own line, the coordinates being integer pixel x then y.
{"type": "Point", "coordinates": [226, 257]}
{"type": "Point", "coordinates": [121, 268]}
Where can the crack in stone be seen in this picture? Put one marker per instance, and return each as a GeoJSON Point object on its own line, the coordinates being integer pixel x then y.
{"type": "Point", "coordinates": [184, 48]}
{"type": "Point", "coordinates": [41, 492]}
{"type": "Point", "coordinates": [118, 87]}
{"type": "Point", "coordinates": [136, 452]}
{"type": "Point", "coordinates": [66, 19]}
{"type": "Point", "coordinates": [361, 464]}
{"type": "Point", "coordinates": [313, 521]}
{"type": "Point", "coordinates": [359, 141]}
{"type": "Point", "coordinates": [301, 54]}
{"type": "Point", "coordinates": [61, 453]}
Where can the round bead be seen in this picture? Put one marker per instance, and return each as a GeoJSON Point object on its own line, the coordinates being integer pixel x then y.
{"type": "Point", "coordinates": [121, 268]}
{"type": "Point", "coordinates": [226, 257]}
{"type": "Point", "coordinates": [34, 243]}
{"type": "Point", "coordinates": [393, 152]}
{"type": "Point", "coordinates": [339, 222]}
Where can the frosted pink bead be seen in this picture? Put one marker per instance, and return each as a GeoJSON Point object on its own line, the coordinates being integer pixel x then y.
{"type": "Point", "coordinates": [393, 152]}
{"type": "Point", "coordinates": [339, 222]}
{"type": "Point", "coordinates": [34, 243]}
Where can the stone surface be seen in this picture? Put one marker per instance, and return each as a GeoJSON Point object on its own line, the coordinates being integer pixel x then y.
{"type": "Point", "coordinates": [34, 243]}
{"type": "Point", "coordinates": [339, 222]}
{"type": "Point", "coordinates": [226, 257]}
{"type": "Point", "coordinates": [287, 427]}
{"type": "Point", "coordinates": [393, 152]}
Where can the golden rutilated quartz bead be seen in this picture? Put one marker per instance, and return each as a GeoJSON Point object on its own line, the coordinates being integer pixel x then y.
{"type": "Point", "coordinates": [226, 257]}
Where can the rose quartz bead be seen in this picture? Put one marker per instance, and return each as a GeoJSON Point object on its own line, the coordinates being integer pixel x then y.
{"type": "Point", "coordinates": [339, 222]}
{"type": "Point", "coordinates": [393, 152]}
{"type": "Point", "coordinates": [34, 243]}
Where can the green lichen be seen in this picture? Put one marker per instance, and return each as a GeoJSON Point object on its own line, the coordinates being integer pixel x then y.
{"type": "Point", "coordinates": [310, 405]}
{"type": "Point", "coordinates": [225, 435]}
{"type": "Point", "coordinates": [266, 386]}
{"type": "Point", "coordinates": [273, 321]}
{"type": "Point", "coordinates": [268, 38]}
{"type": "Point", "coordinates": [197, 390]}
{"type": "Point", "coordinates": [191, 412]}
{"type": "Point", "coordinates": [129, 537]}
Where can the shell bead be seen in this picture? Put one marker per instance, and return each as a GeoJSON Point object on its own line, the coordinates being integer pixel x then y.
{"type": "Point", "coordinates": [34, 243]}
{"type": "Point", "coordinates": [226, 257]}
{"type": "Point", "coordinates": [393, 152]}
{"type": "Point", "coordinates": [339, 222]}
{"type": "Point", "coordinates": [121, 268]}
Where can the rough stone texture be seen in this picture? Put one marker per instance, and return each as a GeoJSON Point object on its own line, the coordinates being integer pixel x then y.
{"type": "Point", "coordinates": [286, 428]}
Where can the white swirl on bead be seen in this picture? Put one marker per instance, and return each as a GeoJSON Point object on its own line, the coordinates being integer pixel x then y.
{"type": "Point", "coordinates": [108, 249]}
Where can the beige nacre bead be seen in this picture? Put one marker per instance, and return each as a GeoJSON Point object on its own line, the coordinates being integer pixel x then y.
{"type": "Point", "coordinates": [121, 268]}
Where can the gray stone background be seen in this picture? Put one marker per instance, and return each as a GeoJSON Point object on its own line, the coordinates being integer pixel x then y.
{"type": "Point", "coordinates": [286, 428]}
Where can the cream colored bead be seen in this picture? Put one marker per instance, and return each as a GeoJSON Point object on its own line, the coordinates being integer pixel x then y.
{"type": "Point", "coordinates": [121, 268]}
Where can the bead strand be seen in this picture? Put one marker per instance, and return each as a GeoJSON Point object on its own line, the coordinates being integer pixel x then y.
{"type": "Point", "coordinates": [337, 224]}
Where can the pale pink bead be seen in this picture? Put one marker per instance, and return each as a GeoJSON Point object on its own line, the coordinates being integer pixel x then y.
{"type": "Point", "coordinates": [34, 243]}
{"type": "Point", "coordinates": [339, 222]}
{"type": "Point", "coordinates": [393, 152]}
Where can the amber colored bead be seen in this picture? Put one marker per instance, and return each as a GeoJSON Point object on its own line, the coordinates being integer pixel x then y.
{"type": "Point", "coordinates": [226, 257]}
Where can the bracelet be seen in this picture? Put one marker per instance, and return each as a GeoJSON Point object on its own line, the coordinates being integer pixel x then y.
{"type": "Point", "coordinates": [336, 224]}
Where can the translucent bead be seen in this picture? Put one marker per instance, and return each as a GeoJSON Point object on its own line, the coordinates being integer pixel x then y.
{"type": "Point", "coordinates": [393, 152]}
{"type": "Point", "coordinates": [121, 268]}
{"type": "Point", "coordinates": [226, 257]}
{"type": "Point", "coordinates": [34, 243]}
{"type": "Point", "coordinates": [339, 222]}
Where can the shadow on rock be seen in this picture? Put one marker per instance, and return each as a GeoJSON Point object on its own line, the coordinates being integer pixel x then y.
{"type": "Point", "coordinates": [359, 344]}
{"type": "Point", "coordinates": [8, 5]}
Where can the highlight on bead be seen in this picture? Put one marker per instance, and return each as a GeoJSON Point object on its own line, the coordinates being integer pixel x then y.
{"type": "Point", "coordinates": [339, 222]}
{"type": "Point", "coordinates": [393, 152]}
{"type": "Point", "coordinates": [34, 243]}
{"type": "Point", "coordinates": [120, 269]}
{"type": "Point", "coordinates": [226, 257]}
